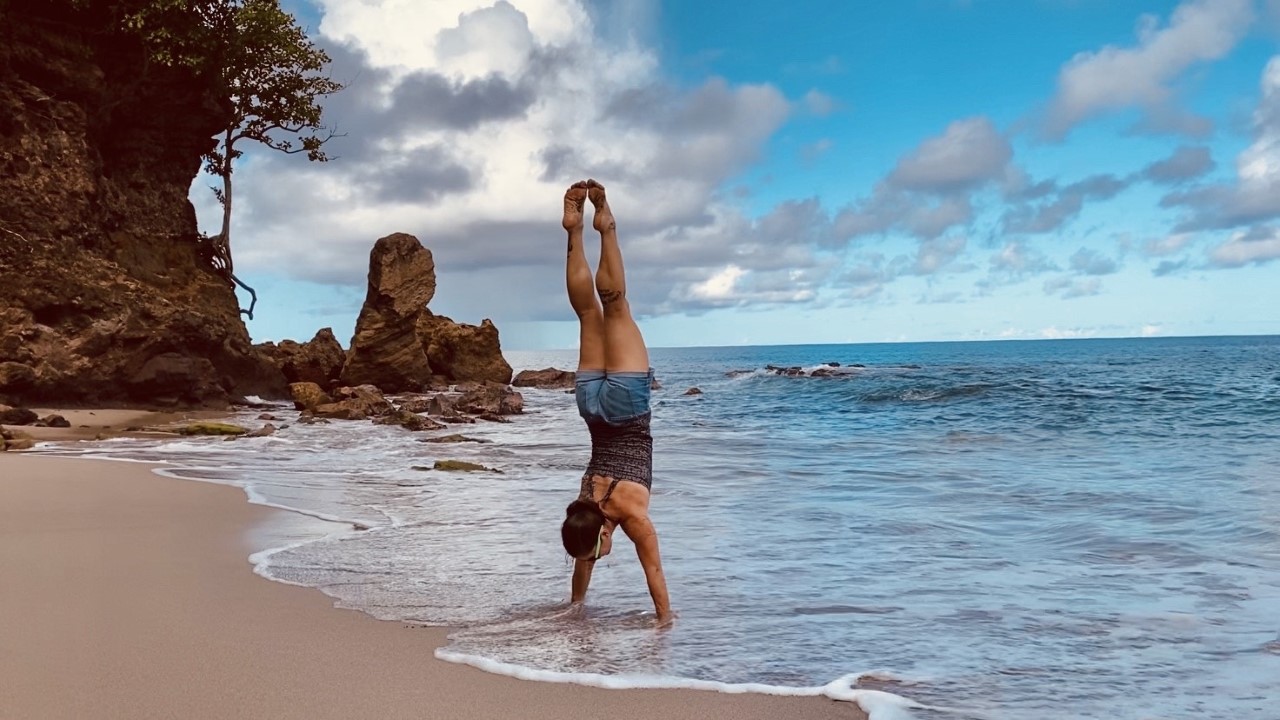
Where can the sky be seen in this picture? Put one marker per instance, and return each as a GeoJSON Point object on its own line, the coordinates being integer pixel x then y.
{"type": "Point", "coordinates": [810, 172]}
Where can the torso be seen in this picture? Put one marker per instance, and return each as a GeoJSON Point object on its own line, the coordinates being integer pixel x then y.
{"type": "Point", "coordinates": [627, 499]}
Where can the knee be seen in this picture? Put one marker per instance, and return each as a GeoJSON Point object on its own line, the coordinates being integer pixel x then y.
{"type": "Point", "coordinates": [610, 297]}
{"type": "Point", "coordinates": [616, 307]}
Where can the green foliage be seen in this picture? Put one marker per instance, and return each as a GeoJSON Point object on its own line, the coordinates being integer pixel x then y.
{"type": "Point", "coordinates": [273, 74]}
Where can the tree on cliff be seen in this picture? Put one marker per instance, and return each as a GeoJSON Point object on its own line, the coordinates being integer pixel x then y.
{"type": "Point", "coordinates": [271, 72]}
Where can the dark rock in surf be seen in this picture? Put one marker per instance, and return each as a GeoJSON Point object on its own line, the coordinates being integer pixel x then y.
{"type": "Point", "coordinates": [455, 438]}
{"type": "Point", "coordinates": [491, 399]}
{"type": "Point", "coordinates": [418, 404]}
{"type": "Point", "coordinates": [263, 431]}
{"type": "Point", "coordinates": [308, 396]}
{"type": "Point", "coordinates": [545, 378]}
{"type": "Point", "coordinates": [408, 421]}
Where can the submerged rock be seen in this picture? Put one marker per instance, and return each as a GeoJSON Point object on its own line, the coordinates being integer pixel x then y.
{"type": "Point", "coordinates": [263, 431]}
{"type": "Point", "coordinates": [462, 466]}
{"type": "Point", "coordinates": [211, 428]}
{"type": "Point", "coordinates": [408, 421]}
{"type": "Point", "coordinates": [455, 438]}
{"type": "Point", "coordinates": [693, 391]}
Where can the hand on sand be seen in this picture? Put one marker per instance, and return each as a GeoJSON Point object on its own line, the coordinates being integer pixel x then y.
{"type": "Point", "coordinates": [574, 198]}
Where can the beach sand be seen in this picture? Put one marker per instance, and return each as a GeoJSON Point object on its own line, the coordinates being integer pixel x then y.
{"type": "Point", "coordinates": [100, 424]}
{"type": "Point", "coordinates": [128, 595]}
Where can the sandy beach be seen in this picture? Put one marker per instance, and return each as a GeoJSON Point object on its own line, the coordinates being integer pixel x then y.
{"type": "Point", "coordinates": [129, 595]}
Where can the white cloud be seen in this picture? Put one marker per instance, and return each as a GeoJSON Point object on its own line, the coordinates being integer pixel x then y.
{"type": "Point", "coordinates": [1186, 163]}
{"type": "Point", "coordinates": [1150, 330]}
{"type": "Point", "coordinates": [1018, 260]}
{"type": "Point", "coordinates": [968, 153]}
{"type": "Point", "coordinates": [1165, 246]}
{"type": "Point", "coordinates": [819, 103]}
{"type": "Point", "coordinates": [1114, 78]}
{"type": "Point", "coordinates": [1070, 288]}
{"type": "Point", "coordinates": [1258, 246]}
{"type": "Point", "coordinates": [1053, 332]}
{"type": "Point", "coordinates": [466, 119]}
{"type": "Point", "coordinates": [721, 286]}
{"type": "Point", "coordinates": [1255, 195]}
{"type": "Point", "coordinates": [1087, 261]}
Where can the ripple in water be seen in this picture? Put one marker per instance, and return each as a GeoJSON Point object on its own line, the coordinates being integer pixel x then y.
{"type": "Point", "coordinates": [1017, 530]}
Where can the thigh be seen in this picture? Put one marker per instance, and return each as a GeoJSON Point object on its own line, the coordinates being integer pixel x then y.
{"type": "Point", "coordinates": [591, 341]}
{"type": "Point", "coordinates": [624, 348]}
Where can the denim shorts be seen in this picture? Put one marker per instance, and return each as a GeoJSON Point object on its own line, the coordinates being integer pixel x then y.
{"type": "Point", "coordinates": [614, 397]}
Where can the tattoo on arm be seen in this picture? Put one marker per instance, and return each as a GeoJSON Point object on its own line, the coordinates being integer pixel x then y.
{"type": "Point", "coordinates": [609, 297]}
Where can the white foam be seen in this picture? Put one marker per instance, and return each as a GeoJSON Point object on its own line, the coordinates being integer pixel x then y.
{"type": "Point", "coordinates": [878, 705]}
{"type": "Point", "coordinates": [256, 497]}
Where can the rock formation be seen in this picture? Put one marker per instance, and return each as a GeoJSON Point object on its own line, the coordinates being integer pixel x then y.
{"type": "Point", "coordinates": [318, 361]}
{"type": "Point", "coordinates": [105, 293]}
{"type": "Point", "coordinates": [545, 378]}
{"type": "Point", "coordinates": [385, 350]}
{"type": "Point", "coordinates": [400, 345]}
{"type": "Point", "coordinates": [463, 353]}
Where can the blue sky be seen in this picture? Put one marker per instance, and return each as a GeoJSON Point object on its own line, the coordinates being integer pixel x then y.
{"type": "Point", "coordinates": [838, 172]}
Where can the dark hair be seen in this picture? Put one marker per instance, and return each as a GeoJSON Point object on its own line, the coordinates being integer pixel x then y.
{"type": "Point", "coordinates": [581, 528]}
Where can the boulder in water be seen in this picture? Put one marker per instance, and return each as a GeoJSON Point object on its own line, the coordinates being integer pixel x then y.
{"type": "Point", "coordinates": [545, 378]}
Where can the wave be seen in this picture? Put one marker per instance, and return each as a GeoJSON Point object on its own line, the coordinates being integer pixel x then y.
{"type": "Point", "coordinates": [878, 704]}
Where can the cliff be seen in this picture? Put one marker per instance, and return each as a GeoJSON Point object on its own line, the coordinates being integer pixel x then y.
{"type": "Point", "coordinates": [104, 294]}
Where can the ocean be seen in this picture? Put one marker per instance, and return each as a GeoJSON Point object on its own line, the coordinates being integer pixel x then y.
{"type": "Point", "coordinates": [1022, 529]}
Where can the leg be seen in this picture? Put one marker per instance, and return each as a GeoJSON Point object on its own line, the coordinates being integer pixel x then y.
{"type": "Point", "coordinates": [625, 350]}
{"type": "Point", "coordinates": [582, 291]}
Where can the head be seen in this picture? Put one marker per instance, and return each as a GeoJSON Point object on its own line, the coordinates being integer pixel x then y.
{"type": "Point", "coordinates": [586, 533]}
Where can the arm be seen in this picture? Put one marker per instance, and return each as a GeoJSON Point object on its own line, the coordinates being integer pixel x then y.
{"type": "Point", "coordinates": [581, 579]}
{"type": "Point", "coordinates": [645, 537]}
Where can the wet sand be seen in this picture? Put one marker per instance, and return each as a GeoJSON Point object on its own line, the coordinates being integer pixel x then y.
{"type": "Point", "coordinates": [129, 595]}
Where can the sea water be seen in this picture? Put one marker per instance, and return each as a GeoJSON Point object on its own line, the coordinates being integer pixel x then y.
{"type": "Point", "coordinates": [1024, 530]}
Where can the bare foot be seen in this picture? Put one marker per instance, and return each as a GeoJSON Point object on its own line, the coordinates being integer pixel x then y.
{"type": "Point", "coordinates": [604, 216]}
{"type": "Point", "coordinates": [574, 197]}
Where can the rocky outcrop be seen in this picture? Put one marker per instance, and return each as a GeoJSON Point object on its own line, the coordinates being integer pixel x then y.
{"type": "Point", "coordinates": [400, 345]}
{"type": "Point", "coordinates": [318, 360]}
{"type": "Point", "coordinates": [385, 350]}
{"type": "Point", "coordinates": [545, 378]}
{"type": "Point", "coordinates": [494, 399]}
{"type": "Point", "coordinates": [17, 416]}
{"type": "Point", "coordinates": [106, 295]}
{"type": "Point", "coordinates": [308, 396]}
{"type": "Point", "coordinates": [15, 440]}
{"type": "Point", "coordinates": [463, 353]}
{"type": "Point", "coordinates": [355, 403]}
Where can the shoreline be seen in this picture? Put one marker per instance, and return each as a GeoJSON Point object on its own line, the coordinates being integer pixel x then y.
{"type": "Point", "coordinates": [131, 595]}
